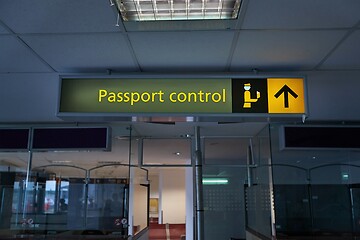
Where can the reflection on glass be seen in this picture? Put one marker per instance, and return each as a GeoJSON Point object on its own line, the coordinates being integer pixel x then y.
{"type": "Point", "coordinates": [49, 201]}
{"type": "Point", "coordinates": [67, 193]}
{"type": "Point", "coordinates": [355, 191]}
{"type": "Point", "coordinates": [259, 195]}
{"type": "Point", "coordinates": [331, 208]}
{"type": "Point", "coordinates": [315, 192]}
{"type": "Point", "coordinates": [16, 201]}
{"type": "Point", "coordinates": [75, 219]}
{"type": "Point", "coordinates": [171, 152]}
{"type": "Point", "coordinates": [292, 208]}
{"type": "Point", "coordinates": [64, 196]}
{"type": "Point", "coordinates": [223, 199]}
{"type": "Point", "coordinates": [106, 205]}
{"type": "Point", "coordinates": [226, 150]}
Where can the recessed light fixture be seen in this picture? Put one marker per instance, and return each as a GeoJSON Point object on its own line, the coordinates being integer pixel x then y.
{"type": "Point", "coordinates": [121, 137]}
{"type": "Point", "coordinates": [157, 10]}
{"type": "Point", "coordinates": [345, 176]}
{"type": "Point", "coordinates": [177, 153]}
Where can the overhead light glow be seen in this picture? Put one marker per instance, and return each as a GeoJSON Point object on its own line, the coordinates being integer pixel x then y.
{"type": "Point", "coordinates": [345, 176]}
{"type": "Point", "coordinates": [61, 161]}
{"type": "Point", "coordinates": [215, 181]}
{"type": "Point", "coordinates": [157, 10]}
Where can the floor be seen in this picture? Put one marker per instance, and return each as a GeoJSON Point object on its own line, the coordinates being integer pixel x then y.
{"type": "Point", "coordinates": [166, 231]}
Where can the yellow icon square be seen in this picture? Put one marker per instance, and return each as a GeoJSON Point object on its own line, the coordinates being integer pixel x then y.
{"type": "Point", "coordinates": [286, 95]}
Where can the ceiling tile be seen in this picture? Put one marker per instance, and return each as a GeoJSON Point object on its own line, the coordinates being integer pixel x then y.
{"type": "Point", "coordinates": [23, 89]}
{"type": "Point", "coordinates": [193, 51]}
{"type": "Point", "coordinates": [263, 14]}
{"type": "Point", "coordinates": [341, 57]}
{"type": "Point", "coordinates": [3, 30]}
{"type": "Point", "coordinates": [83, 52]}
{"type": "Point", "coordinates": [54, 16]}
{"type": "Point", "coordinates": [16, 57]}
{"type": "Point", "coordinates": [283, 50]}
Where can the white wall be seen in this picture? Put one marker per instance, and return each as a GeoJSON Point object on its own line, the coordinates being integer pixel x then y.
{"type": "Point", "coordinates": [154, 192]}
{"type": "Point", "coordinates": [189, 203]}
{"type": "Point", "coordinates": [172, 195]}
{"type": "Point", "coordinates": [140, 206]}
{"type": "Point", "coordinates": [138, 199]}
{"type": "Point", "coordinates": [154, 186]}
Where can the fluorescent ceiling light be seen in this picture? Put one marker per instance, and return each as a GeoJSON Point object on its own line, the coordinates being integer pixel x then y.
{"type": "Point", "coordinates": [61, 161]}
{"type": "Point", "coordinates": [215, 181]}
{"type": "Point", "coordinates": [157, 10]}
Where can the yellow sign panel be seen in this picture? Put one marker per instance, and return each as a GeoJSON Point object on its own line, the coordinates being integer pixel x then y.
{"type": "Point", "coordinates": [286, 95]}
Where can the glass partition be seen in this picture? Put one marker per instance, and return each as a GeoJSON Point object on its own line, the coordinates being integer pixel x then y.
{"type": "Point", "coordinates": [66, 192]}
{"type": "Point", "coordinates": [316, 190]}
{"type": "Point", "coordinates": [258, 194]}
{"type": "Point", "coordinates": [230, 206]}
{"type": "Point", "coordinates": [174, 151]}
{"type": "Point", "coordinates": [107, 203]}
{"type": "Point", "coordinates": [292, 205]}
{"type": "Point", "coordinates": [13, 167]}
{"type": "Point", "coordinates": [223, 196]}
{"type": "Point", "coordinates": [331, 207]}
{"type": "Point", "coordinates": [226, 151]}
{"type": "Point", "coordinates": [355, 194]}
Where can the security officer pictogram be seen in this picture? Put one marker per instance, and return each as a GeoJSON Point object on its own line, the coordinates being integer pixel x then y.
{"type": "Point", "coordinates": [268, 95]}
{"type": "Point", "coordinates": [247, 96]}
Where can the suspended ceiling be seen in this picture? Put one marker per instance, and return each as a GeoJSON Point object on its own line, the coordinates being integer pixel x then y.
{"type": "Point", "coordinates": [83, 36]}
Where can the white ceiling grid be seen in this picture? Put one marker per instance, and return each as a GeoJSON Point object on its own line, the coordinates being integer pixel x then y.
{"type": "Point", "coordinates": [277, 50]}
{"type": "Point", "coordinates": [344, 57]}
{"type": "Point", "coordinates": [3, 30]}
{"type": "Point", "coordinates": [83, 52]}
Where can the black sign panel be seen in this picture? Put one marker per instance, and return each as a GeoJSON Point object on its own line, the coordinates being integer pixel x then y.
{"type": "Point", "coordinates": [321, 137]}
{"type": "Point", "coordinates": [249, 95]}
{"type": "Point", "coordinates": [71, 138]}
{"type": "Point", "coordinates": [14, 139]}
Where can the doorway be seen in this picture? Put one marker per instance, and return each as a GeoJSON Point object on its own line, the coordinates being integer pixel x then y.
{"type": "Point", "coordinates": [169, 187]}
{"type": "Point", "coordinates": [225, 169]}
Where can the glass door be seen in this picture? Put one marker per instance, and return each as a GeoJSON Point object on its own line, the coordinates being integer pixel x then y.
{"type": "Point", "coordinates": [235, 180]}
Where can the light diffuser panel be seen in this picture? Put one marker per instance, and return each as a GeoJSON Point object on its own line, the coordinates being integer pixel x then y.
{"type": "Point", "coordinates": [157, 10]}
